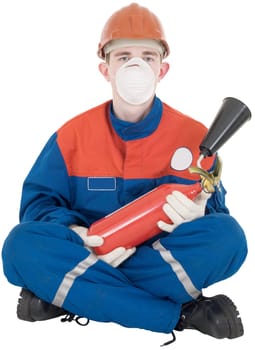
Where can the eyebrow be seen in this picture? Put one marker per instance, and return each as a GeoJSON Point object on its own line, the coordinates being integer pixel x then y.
{"type": "Point", "coordinates": [152, 53]}
{"type": "Point", "coordinates": [122, 53]}
{"type": "Point", "coordinates": [128, 53]}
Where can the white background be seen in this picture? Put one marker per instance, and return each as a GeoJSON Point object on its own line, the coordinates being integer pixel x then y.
{"type": "Point", "coordinates": [48, 74]}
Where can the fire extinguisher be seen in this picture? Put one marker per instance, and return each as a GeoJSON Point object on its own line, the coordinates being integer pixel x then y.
{"type": "Point", "coordinates": [136, 222]}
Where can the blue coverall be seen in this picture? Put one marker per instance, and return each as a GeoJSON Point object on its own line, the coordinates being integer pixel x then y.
{"type": "Point", "coordinates": [93, 165]}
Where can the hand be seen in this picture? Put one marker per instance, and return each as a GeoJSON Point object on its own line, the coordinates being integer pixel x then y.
{"type": "Point", "coordinates": [114, 258]}
{"type": "Point", "coordinates": [89, 241]}
{"type": "Point", "coordinates": [117, 256]}
{"type": "Point", "coordinates": [179, 208]}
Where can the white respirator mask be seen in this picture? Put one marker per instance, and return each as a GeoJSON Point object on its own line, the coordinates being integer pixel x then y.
{"type": "Point", "coordinates": [135, 81]}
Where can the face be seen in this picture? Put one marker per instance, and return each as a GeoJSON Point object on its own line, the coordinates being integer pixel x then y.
{"type": "Point", "coordinates": [120, 56]}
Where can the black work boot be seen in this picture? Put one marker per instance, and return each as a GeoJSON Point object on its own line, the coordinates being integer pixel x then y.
{"type": "Point", "coordinates": [31, 308]}
{"type": "Point", "coordinates": [215, 316]}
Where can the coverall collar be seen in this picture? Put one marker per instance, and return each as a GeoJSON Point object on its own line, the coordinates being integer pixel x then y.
{"type": "Point", "coordinates": [132, 131]}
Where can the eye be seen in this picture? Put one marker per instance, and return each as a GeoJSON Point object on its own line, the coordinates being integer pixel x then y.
{"type": "Point", "coordinates": [123, 58]}
{"type": "Point", "coordinates": [148, 59]}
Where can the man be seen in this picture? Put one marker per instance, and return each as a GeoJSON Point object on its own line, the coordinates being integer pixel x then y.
{"type": "Point", "coordinates": [98, 162]}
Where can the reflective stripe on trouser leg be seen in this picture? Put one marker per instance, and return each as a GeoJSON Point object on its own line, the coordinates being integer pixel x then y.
{"type": "Point", "coordinates": [47, 257]}
{"type": "Point", "coordinates": [70, 277]}
{"type": "Point", "coordinates": [178, 269]}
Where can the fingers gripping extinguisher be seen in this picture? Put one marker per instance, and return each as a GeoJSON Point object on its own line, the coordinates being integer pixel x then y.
{"type": "Point", "coordinates": [136, 222]}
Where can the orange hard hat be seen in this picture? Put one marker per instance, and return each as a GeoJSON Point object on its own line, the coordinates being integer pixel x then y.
{"type": "Point", "coordinates": [132, 22]}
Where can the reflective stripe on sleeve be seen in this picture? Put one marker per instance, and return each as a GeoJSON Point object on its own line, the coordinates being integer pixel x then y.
{"type": "Point", "coordinates": [70, 277]}
{"type": "Point", "coordinates": [178, 269]}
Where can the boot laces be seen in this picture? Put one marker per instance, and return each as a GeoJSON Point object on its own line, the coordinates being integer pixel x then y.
{"type": "Point", "coordinates": [69, 317]}
{"type": "Point", "coordinates": [81, 321]}
{"type": "Point", "coordinates": [170, 341]}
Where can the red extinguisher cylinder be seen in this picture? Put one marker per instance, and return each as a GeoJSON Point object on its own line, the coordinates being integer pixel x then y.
{"type": "Point", "coordinates": [136, 222]}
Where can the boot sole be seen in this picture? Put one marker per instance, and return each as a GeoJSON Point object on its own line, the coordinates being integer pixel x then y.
{"type": "Point", "coordinates": [30, 308]}
{"type": "Point", "coordinates": [232, 314]}
{"type": "Point", "coordinates": [23, 307]}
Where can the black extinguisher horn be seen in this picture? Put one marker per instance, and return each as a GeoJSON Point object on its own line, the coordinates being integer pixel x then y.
{"type": "Point", "coordinates": [231, 116]}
